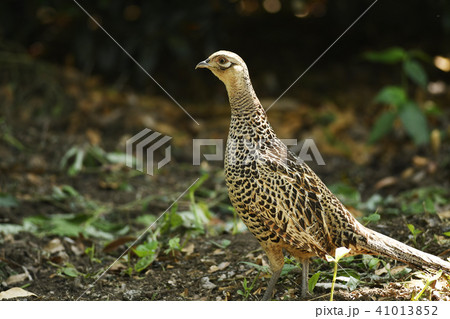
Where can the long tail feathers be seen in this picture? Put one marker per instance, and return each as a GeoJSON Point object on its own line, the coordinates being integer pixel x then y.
{"type": "Point", "coordinates": [394, 249]}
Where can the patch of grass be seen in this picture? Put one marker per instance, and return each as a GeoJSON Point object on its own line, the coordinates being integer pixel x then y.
{"type": "Point", "coordinates": [429, 281]}
{"type": "Point", "coordinates": [83, 157]}
{"type": "Point", "coordinates": [245, 293]}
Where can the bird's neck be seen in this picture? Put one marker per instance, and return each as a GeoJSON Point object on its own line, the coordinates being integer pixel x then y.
{"type": "Point", "coordinates": [247, 113]}
{"type": "Point", "coordinates": [242, 96]}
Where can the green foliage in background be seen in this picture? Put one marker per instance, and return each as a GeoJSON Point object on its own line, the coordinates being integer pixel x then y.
{"type": "Point", "coordinates": [400, 104]}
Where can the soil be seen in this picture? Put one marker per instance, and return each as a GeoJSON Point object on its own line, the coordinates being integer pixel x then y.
{"type": "Point", "coordinates": [207, 271]}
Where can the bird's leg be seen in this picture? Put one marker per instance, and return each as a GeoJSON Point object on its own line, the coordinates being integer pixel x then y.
{"type": "Point", "coordinates": [276, 260]}
{"type": "Point", "coordinates": [305, 271]}
{"type": "Point", "coordinates": [271, 285]}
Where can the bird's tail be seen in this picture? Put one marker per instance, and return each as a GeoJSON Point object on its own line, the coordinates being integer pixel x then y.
{"type": "Point", "coordinates": [386, 246]}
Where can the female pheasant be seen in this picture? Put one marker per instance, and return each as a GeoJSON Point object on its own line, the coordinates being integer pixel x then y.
{"type": "Point", "coordinates": [280, 199]}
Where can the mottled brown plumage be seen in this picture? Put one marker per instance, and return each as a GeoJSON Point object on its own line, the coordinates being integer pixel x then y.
{"type": "Point", "coordinates": [280, 199]}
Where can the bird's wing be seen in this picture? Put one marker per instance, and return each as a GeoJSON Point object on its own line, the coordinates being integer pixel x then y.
{"type": "Point", "coordinates": [289, 203]}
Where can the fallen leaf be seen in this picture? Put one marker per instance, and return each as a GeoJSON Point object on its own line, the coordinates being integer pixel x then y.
{"type": "Point", "coordinates": [117, 243]}
{"type": "Point", "coordinates": [398, 269]}
{"type": "Point", "coordinates": [185, 293]}
{"type": "Point", "coordinates": [14, 279]}
{"type": "Point", "coordinates": [218, 251]}
{"type": "Point", "coordinates": [93, 136]}
{"type": "Point", "coordinates": [223, 265]}
{"type": "Point", "coordinates": [15, 292]}
{"type": "Point", "coordinates": [407, 173]}
{"type": "Point", "coordinates": [189, 249]}
{"type": "Point", "coordinates": [385, 182]}
{"type": "Point", "coordinates": [54, 246]}
{"type": "Point", "coordinates": [213, 268]}
{"type": "Point", "coordinates": [117, 266]}
{"type": "Point", "coordinates": [420, 161]}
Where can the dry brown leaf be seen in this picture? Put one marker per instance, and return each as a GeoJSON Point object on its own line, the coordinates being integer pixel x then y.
{"type": "Point", "coordinates": [398, 269]}
{"type": "Point", "coordinates": [218, 251]}
{"type": "Point", "coordinates": [223, 265]}
{"type": "Point", "coordinates": [383, 270]}
{"type": "Point", "coordinates": [117, 243]}
{"type": "Point", "coordinates": [93, 136]}
{"type": "Point", "coordinates": [385, 182]}
{"type": "Point", "coordinates": [15, 292]}
{"type": "Point", "coordinates": [54, 246]}
{"type": "Point", "coordinates": [117, 266]}
{"type": "Point", "coordinates": [189, 249]}
{"type": "Point", "coordinates": [213, 268]}
{"type": "Point", "coordinates": [14, 279]}
{"type": "Point", "coordinates": [407, 173]}
{"type": "Point", "coordinates": [420, 161]}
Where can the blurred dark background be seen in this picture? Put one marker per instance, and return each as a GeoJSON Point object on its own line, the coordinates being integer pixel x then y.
{"type": "Point", "coordinates": [279, 39]}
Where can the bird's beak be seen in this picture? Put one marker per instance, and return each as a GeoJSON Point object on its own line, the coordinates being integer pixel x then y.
{"type": "Point", "coordinates": [203, 64]}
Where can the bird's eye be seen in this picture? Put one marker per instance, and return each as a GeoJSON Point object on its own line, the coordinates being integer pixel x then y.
{"type": "Point", "coordinates": [224, 63]}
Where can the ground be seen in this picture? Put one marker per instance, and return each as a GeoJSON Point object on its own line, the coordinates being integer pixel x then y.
{"type": "Point", "coordinates": [64, 228]}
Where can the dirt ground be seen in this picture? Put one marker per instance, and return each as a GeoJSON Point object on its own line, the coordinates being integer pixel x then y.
{"type": "Point", "coordinates": [204, 269]}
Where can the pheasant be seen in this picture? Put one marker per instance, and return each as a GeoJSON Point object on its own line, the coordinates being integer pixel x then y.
{"type": "Point", "coordinates": [283, 203]}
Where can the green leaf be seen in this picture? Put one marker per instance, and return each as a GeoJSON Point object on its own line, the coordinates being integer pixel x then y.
{"type": "Point", "coordinates": [11, 229]}
{"type": "Point", "coordinates": [373, 263]}
{"type": "Point", "coordinates": [352, 283]}
{"type": "Point", "coordinates": [372, 218]}
{"type": "Point", "coordinates": [264, 269]}
{"type": "Point", "coordinates": [287, 268]}
{"type": "Point", "coordinates": [146, 249]}
{"type": "Point", "coordinates": [415, 123]}
{"type": "Point", "coordinates": [382, 126]}
{"type": "Point", "coordinates": [146, 219]}
{"type": "Point", "coordinates": [144, 262]}
{"type": "Point", "coordinates": [346, 193]}
{"type": "Point", "coordinates": [7, 200]}
{"type": "Point", "coordinates": [429, 206]}
{"type": "Point", "coordinates": [392, 95]}
{"type": "Point", "coordinates": [388, 56]}
{"type": "Point", "coordinates": [313, 281]}
{"type": "Point", "coordinates": [413, 230]}
{"type": "Point", "coordinates": [70, 271]}
{"type": "Point", "coordinates": [415, 72]}
{"type": "Point", "coordinates": [447, 233]}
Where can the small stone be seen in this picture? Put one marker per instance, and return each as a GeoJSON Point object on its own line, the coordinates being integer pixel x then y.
{"type": "Point", "coordinates": [207, 284]}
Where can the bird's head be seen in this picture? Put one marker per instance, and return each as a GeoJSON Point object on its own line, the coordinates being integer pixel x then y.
{"type": "Point", "coordinates": [228, 67]}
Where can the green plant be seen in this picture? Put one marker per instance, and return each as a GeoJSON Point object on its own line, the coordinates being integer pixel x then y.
{"type": "Point", "coordinates": [147, 253]}
{"type": "Point", "coordinates": [428, 281]}
{"type": "Point", "coordinates": [7, 137]}
{"type": "Point", "coordinates": [224, 243]}
{"type": "Point", "coordinates": [82, 216]}
{"type": "Point", "coordinates": [247, 289]}
{"type": "Point", "coordinates": [371, 218]}
{"type": "Point", "coordinates": [90, 252]}
{"type": "Point", "coordinates": [401, 106]}
{"type": "Point", "coordinates": [415, 232]}
{"type": "Point", "coordinates": [339, 253]}
{"type": "Point", "coordinates": [313, 281]}
{"type": "Point", "coordinates": [174, 245]}
{"type": "Point", "coordinates": [78, 158]}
